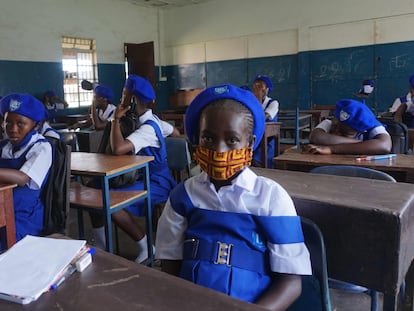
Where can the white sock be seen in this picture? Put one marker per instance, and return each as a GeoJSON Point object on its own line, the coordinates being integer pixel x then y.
{"type": "Point", "coordinates": [143, 250]}
{"type": "Point", "coordinates": [98, 235]}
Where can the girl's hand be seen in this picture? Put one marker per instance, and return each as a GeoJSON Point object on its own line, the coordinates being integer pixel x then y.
{"type": "Point", "coordinates": [315, 149]}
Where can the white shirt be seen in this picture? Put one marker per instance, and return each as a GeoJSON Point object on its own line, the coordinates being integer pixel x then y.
{"type": "Point", "coordinates": [273, 108]}
{"type": "Point", "coordinates": [145, 135]}
{"type": "Point", "coordinates": [38, 160]}
{"type": "Point", "coordinates": [107, 114]}
{"type": "Point", "coordinates": [326, 126]}
{"type": "Point", "coordinates": [249, 194]}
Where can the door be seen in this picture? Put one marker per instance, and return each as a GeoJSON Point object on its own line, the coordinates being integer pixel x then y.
{"type": "Point", "coordinates": [140, 60]}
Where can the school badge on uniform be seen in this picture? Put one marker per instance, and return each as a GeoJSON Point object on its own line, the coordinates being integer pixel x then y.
{"type": "Point", "coordinates": [14, 105]}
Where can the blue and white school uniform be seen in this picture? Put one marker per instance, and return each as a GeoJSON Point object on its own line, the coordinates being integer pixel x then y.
{"type": "Point", "coordinates": [254, 214]}
{"type": "Point", "coordinates": [105, 115]}
{"type": "Point", "coordinates": [270, 106]}
{"type": "Point", "coordinates": [326, 125]}
{"type": "Point", "coordinates": [148, 140]}
{"type": "Point", "coordinates": [34, 159]}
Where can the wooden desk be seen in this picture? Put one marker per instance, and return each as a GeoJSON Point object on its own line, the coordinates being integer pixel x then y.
{"type": "Point", "coordinates": [272, 131]}
{"type": "Point", "coordinates": [177, 118]}
{"type": "Point", "coordinates": [105, 167]}
{"type": "Point", "coordinates": [114, 283]}
{"type": "Point", "coordinates": [368, 226]}
{"type": "Point", "coordinates": [7, 213]}
{"type": "Point", "coordinates": [400, 167]}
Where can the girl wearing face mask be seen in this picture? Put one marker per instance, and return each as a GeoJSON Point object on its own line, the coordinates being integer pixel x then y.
{"type": "Point", "coordinates": [366, 89]}
{"type": "Point", "coordinates": [222, 229]}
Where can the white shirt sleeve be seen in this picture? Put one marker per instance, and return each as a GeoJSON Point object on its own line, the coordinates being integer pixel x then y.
{"type": "Point", "coordinates": [38, 162]}
{"type": "Point", "coordinates": [325, 125]}
{"type": "Point", "coordinates": [166, 128]}
{"type": "Point", "coordinates": [273, 108]}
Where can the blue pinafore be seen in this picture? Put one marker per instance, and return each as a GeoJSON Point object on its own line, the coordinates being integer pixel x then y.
{"type": "Point", "coordinates": [161, 181]}
{"type": "Point", "coordinates": [28, 207]}
{"type": "Point", "coordinates": [228, 251]}
{"type": "Point", "coordinates": [257, 154]}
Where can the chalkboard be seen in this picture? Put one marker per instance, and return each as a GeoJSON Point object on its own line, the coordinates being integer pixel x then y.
{"type": "Point", "coordinates": [188, 76]}
{"type": "Point", "coordinates": [223, 72]}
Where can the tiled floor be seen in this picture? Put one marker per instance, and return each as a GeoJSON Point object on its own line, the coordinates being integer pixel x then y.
{"type": "Point", "coordinates": [341, 301]}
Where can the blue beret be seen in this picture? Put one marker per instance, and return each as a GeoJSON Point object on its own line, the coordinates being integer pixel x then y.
{"type": "Point", "coordinates": [356, 115]}
{"type": "Point", "coordinates": [368, 82]}
{"type": "Point", "coordinates": [411, 81]}
{"type": "Point", "coordinates": [266, 80]}
{"type": "Point", "coordinates": [25, 105]}
{"type": "Point", "coordinates": [49, 94]}
{"type": "Point", "coordinates": [104, 92]}
{"type": "Point", "coordinates": [140, 87]}
{"type": "Point", "coordinates": [225, 91]}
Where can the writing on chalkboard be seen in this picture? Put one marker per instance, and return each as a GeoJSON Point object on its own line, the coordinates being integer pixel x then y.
{"type": "Point", "coordinates": [399, 62]}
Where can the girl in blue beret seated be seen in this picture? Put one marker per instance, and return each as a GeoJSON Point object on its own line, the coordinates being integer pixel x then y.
{"type": "Point", "coordinates": [148, 140]}
{"type": "Point", "coordinates": [354, 130]}
{"type": "Point", "coordinates": [227, 228]}
{"type": "Point", "coordinates": [25, 160]}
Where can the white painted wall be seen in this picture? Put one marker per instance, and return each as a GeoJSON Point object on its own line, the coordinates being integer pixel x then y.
{"type": "Point", "coordinates": [31, 30]}
{"type": "Point", "coordinates": [280, 27]}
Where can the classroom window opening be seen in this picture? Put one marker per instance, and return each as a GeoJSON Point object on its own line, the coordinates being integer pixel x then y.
{"type": "Point", "coordinates": [78, 63]}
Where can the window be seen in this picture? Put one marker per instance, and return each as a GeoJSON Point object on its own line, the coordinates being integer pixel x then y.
{"type": "Point", "coordinates": [78, 63]}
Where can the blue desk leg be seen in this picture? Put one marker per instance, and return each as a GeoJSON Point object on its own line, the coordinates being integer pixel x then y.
{"type": "Point", "coordinates": [107, 215]}
{"type": "Point", "coordinates": [149, 216]}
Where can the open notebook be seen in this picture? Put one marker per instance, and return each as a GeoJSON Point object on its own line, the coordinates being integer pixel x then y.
{"type": "Point", "coordinates": [30, 267]}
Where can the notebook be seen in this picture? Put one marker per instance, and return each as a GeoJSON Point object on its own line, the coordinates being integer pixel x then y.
{"type": "Point", "coordinates": [29, 268]}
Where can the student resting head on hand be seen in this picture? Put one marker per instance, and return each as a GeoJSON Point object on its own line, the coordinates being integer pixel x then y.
{"type": "Point", "coordinates": [353, 130]}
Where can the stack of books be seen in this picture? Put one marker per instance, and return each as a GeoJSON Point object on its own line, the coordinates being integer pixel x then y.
{"type": "Point", "coordinates": [35, 265]}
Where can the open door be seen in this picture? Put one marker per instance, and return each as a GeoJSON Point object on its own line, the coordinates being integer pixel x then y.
{"type": "Point", "coordinates": [139, 58]}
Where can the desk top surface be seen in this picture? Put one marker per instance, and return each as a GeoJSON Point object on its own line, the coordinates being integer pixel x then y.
{"type": "Point", "coordinates": [401, 161]}
{"type": "Point", "coordinates": [100, 164]}
{"type": "Point", "coordinates": [114, 283]}
{"type": "Point", "coordinates": [388, 197]}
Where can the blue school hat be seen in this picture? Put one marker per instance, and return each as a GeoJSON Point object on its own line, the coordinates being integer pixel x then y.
{"type": "Point", "coordinates": [25, 105]}
{"type": "Point", "coordinates": [411, 81]}
{"type": "Point", "coordinates": [140, 87]}
{"type": "Point", "coordinates": [356, 115]}
{"type": "Point", "coordinates": [49, 93]}
{"type": "Point", "coordinates": [368, 82]}
{"type": "Point", "coordinates": [266, 80]}
{"type": "Point", "coordinates": [104, 92]}
{"type": "Point", "coordinates": [225, 91]}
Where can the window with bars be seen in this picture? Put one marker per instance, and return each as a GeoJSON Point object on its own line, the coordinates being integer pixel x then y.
{"type": "Point", "coordinates": [78, 63]}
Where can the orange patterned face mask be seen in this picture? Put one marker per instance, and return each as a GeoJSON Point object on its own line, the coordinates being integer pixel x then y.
{"type": "Point", "coordinates": [223, 165]}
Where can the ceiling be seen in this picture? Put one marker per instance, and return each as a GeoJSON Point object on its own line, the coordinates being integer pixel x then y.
{"type": "Point", "coordinates": [166, 3]}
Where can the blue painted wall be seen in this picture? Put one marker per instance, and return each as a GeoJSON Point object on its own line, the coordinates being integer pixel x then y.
{"type": "Point", "coordinates": [304, 79]}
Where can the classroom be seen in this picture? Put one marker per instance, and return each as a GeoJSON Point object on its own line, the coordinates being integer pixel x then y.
{"type": "Point", "coordinates": [315, 52]}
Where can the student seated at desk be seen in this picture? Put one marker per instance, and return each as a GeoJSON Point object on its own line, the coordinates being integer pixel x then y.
{"type": "Point", "coordinates": [101, 110]}
{"type": "Point", "coordinates": [403, 107]}
{"type": "Point", "coordinates": [262, 86]}
{"type": "Point", "coordinates": [230, 211]}
{"type": "Point", "coordinates": [354, 130]}
{"type": "Point", "coordinates": [25, 160]}
{"type": "Point", "coordinates": [147, 140]}
{"type": "Point", "coordinates": [366, 90]}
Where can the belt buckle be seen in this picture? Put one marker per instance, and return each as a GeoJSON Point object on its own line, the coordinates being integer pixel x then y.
{"type": "Point", "coordinates": [223, 254]}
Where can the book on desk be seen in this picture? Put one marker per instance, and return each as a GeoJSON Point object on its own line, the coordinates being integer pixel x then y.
{"type": "Point", "coordinates": [35, 265]}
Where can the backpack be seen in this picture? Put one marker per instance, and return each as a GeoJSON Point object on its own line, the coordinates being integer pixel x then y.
{"type": "Point", "coordinates": [128, 123]}
{"type": "Point", "coordinates": [399, 135]}
{"type": "Point", "coordinates": [55, 193]}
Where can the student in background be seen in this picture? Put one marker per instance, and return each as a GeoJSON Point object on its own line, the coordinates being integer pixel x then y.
{"type": "Point", "coordinates": [148, 140]}
{"type": "Point", "coordinates": [25, 160]}
{"type": "Point", "coordinates": [262, 86]}
{"type": "Point", "coordinates": [403, 107]}
{"type": "Point", "coordinates": [53, 103]}
{"type": "Point", "coordinates": [366, 89]}
{"type": "Point", "coordinates": [229, 210]}
{"type": "Point", "coordinates": [101, 110]}
{"type": "Point", "coordinates": [354, 130]}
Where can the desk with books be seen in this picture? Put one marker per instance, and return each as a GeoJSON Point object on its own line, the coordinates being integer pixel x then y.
{"type": "Point", "coordinates": [115, 283]}
{"type": "Point", "coordinates": [368, 227]}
